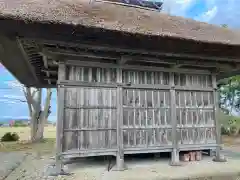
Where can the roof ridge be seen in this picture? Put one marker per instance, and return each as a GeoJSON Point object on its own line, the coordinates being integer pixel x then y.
{"type": "Point", "coordinates": [125, 4]}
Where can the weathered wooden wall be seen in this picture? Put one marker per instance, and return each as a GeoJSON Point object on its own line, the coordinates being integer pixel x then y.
{"type": "Point", "coordinates": [146, 115]}
{"type": "Point", "coordinates": [91, 110]}
{"type": "Point", "coordinates": [194, 109]}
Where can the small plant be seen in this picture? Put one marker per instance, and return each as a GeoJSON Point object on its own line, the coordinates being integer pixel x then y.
{"type": "Point", "coordinates": [10, 137]}
{"type": "Point", "coordinates": [224, 130]}
{"type": "Point", "coordinates": [232, 122]}
{"type": "Point", "coordinates": [234, 130]}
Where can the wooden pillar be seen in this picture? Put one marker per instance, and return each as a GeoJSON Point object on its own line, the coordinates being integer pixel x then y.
{"type": "Point", "coordinates": [218, 157]}
{"type": "Point", "coordinates": [175, 151]}
{"type": "Point", "coordinates": [120, 150]}
{"type": "Point", "coordinates": [60, 117]}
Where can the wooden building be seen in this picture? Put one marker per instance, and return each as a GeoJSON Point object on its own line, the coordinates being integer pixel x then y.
{"type": "Point", "coordinates": [130, 80]}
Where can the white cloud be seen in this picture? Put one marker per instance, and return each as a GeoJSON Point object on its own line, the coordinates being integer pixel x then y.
{"type": "Point", "coordinates": [14, 96]}
{"type": "Point", "coordinates": [7, 101]}
{"type": "Point", "coordinates": [208, 15]}
{"type": "Point", "coordinates": [216, 12]}
{"type": "Point", "coordinates": [14, 84]}
{"type": "Point", "coordinates": [17, 117]}
{"type": "Point", "coordinates": [228, 13]}
{"type": "Point", "coordinates": [177, 7]}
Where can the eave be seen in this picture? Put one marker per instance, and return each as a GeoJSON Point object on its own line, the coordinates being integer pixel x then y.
{"type": "Point", "coordinates": [37, 48]}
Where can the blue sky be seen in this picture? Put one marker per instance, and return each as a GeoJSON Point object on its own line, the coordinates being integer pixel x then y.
{"type": "Point", "coordinates": [10, 96]}
{"type": "Point", "coordinates": [211, 11]}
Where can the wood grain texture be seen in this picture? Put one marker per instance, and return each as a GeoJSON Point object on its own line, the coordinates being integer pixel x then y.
{"type": "Point", "coordinates": [91, 113]}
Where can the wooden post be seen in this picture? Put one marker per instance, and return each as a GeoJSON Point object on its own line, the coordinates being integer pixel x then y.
{"type": "Point", "coordinates": [120, 152]}
{"type": "Point", "coordinates": [60, 118]}
{"type": "Point", "coordinates": [218, 157]}
{"type": "Point", "coordinates": [175, 151]}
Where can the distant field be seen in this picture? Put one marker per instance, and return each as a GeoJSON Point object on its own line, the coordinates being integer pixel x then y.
{"type": "Point", "coordinates": [47, 146]}
{"type": "Point", "coordinates": [24, 132]}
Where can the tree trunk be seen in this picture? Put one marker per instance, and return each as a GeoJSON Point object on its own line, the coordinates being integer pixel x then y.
{"type": "Point", "coordinates": [36, 117]}
{"type": "Point", "coordinates": [37, 128]}
{"type": "Point", "coordinates": [37, 114]}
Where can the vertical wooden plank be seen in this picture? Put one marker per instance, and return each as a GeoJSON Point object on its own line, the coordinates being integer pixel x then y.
{"type": "Point", "coordinates": [60, 119]}
{"type": "Point", "coordinates": [100, 103]}
{"type": "Point", "coordinates": [128, 113]}
{"type": "Point", "coordinates": [134, 110]}
{"type": "Point", "coordinates": [202, 122]}
{"type": "Point", "coordinates": [159, 110]}
{"type": "Point", "coordinates": [184, 107]}
{"type": "Point", "coordinates": [140, 111]}
{"type": "Point", "coordinates": [120, 153]}
{"type": "Point", "coordinates": [146, 117]}
{"type": "Point", "coordinates": [91, 103]}
{"type": "Point", "coordinates": [140, 116]}
{"type": "Point", "coordinates": [165, 110]}
{"type": "Point", "coordinates": [161, 77]}
{"type": "Point", "coordinates": [78, 119]}
{"type": "Point", "coordinates": [111, 111]}
{"type": "Point", "coordinates": [72, 119]}
{"type": "Point", "coordinates": [82, 110]}
{"type": "Point", "coordinates": [175, 151]}
{"type": "Point", "coordinates": [153, 120]}
{"type": "Point", "coordinates": [180, 116]}
{"type": "Point", "coordinates": [217, 124]}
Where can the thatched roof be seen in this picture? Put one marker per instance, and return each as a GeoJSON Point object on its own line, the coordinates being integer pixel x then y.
{"type": "Point", "coordinates": [115, 17]}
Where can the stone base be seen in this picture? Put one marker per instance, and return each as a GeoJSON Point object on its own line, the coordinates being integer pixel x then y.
{"type": "Point", "coordinates": [117, 169]}
{"type": "Point", "coordinates": [123, 167]}
{"type": "Point", "coordinates": [120, 165]}
{"type": "Point", "coordinates": [53, 171]}
{"type": "Point", "coordinates": [219, 159]}
{"type": "Point", "coordinates": [175, 163]}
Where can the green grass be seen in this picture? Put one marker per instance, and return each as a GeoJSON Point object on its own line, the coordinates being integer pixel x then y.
{"type": "Point", "coordinates": [224, 119]}
{"type": "Point", "coordinates": [24, 132]}
{"type": "Point", "coordinates": [46, 146]}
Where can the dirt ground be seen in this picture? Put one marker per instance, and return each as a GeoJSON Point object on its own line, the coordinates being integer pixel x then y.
{"type": "Point", "coordinates": [39, 158]}
{"type": "Point", "coordinates": [36, 155]}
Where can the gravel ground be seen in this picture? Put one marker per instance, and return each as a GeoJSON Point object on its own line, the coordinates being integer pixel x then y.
{"type": "Point", "coordinates": [9, 162]}
{"type": "Point", "coordinates": [36, 167]}
{"type": "Point", "coordinates": [32, 168]}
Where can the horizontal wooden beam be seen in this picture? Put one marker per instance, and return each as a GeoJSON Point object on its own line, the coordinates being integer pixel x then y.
{"type": "Point", "coordinates": [51, 76]}
{"type": "Point", "coordinates": [90, 129]}
{"type": "Point", "coordinates": [49, 71]}
{"type": "Point", "coordinates": [53, 85]}
{"type": "Point", "coordinates": [68, 54]}
{"type": "Point", "coordinates": [137, 51]}
{"type": "Point", "coordinates": [91, 107]}
{"type": "Point", "coordinates": [133, 67]}
{"type": "Point", "coordinates": [50, 80]}
{"type": "Point", "coordinates": [123, 60]}
{"type": "Point", "coordinates": [72, 83]}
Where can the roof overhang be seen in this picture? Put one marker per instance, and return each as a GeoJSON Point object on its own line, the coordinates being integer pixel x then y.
{"type": "Point", "coordinates": [31, 51]}
{"type": "Point", "coordinates": [12, 57]}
